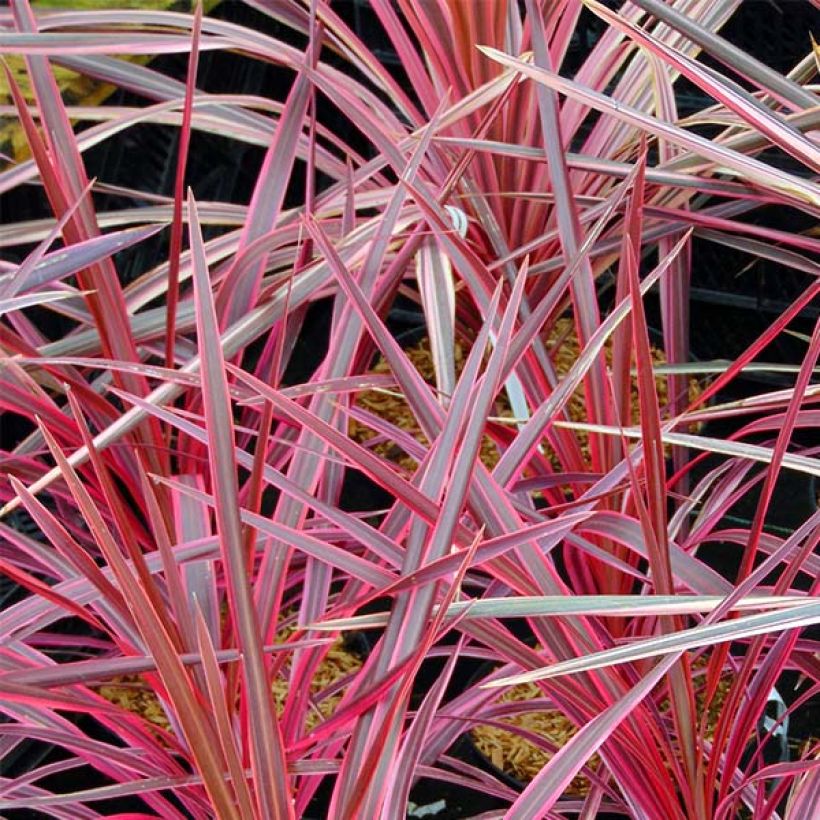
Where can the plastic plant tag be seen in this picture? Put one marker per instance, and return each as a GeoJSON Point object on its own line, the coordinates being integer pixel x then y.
{"type": "Point", "coordinates": [774, 717]}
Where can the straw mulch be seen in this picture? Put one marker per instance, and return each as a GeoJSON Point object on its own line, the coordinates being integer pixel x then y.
{"type": "Point", "coordinates": [505, 749]}
{"type": "Point", "coordinates": [509, 752]}
{"type": "Point", "coordinates": [516, 756]}
{"type": "Point", "coordinates": [562, 345]}
{"type": "Point", "coordinates": [134, 694]}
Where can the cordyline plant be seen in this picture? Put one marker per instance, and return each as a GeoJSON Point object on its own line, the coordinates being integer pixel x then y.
{"type": "Point", "coordinates": [187, 498]}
